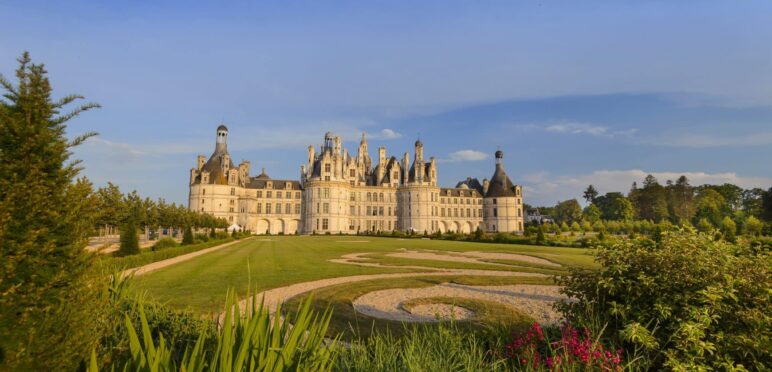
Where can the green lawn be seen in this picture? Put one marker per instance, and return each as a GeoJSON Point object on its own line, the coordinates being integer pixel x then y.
{"type": "Point", "coordinates": [200, 284]}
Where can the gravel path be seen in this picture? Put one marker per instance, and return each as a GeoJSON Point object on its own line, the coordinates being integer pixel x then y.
{"type": "Point", "coordinates": [273, 297]}
{"type": "Point", "coordinates": [471, 257]}
{"type": "Point", "coordinates": [137, 271]}
{"type": "Point", "coordinates": [533, 300]}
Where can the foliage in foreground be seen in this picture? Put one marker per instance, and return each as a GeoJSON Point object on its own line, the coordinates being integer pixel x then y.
{"type": "Point", "coordinates": [45, 294]}
{"type": "Point", "coordinates": [426, 348]}
{"type": "Point", "coordinates": [249, 339]}
{"type": "Point", "coordinates": [684, 300]}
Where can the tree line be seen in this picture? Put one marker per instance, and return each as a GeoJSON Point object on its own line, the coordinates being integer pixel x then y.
{"type": "Point", "coordinates": [679, 203]}
{"type": "Point", "coordinates": [115, 209]}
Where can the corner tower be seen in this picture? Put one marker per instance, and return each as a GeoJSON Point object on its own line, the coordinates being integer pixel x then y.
{"type": "Point", "coordinates": [503, 201]}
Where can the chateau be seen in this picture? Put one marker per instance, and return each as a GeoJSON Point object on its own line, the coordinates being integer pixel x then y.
{"type": "Point", "coordinates": [341, 193]}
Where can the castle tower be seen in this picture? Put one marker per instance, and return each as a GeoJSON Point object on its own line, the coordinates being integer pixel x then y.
{"type": "Point", "coordinates": [503, 201]}
{"type": "Point", "coordinates": [222, 139]}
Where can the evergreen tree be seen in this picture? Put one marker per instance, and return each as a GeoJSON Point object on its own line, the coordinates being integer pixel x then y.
{"type": "Point", "coordinates": [590, 194]}
{"type": "Point", "coordinates": [540, 238]}
{"type": "Point", "coordinates": [187, 236]}
{"type": "Point", "coordinates": [212, 234]}
{"type": "Point", "coordinates": [129, 239]}
{"type": "Point", "coordinates": [46, 296]}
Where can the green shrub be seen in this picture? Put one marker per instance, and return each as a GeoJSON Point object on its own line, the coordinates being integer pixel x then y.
{"type": "Point", "coordinates": [687, 302]}
{"type": "Point", "coordinates": [201, 237]}
{"type": "Point", "coordinates": [129, 241]}
{"type": "Point", "coordinates": [248, 340]}
{"type": "Point", "coordinates": [443, 347]}
{"type": "Point", "coordinates": [187, 236]}
{"type": "Point", "coordinates": [165, 243]}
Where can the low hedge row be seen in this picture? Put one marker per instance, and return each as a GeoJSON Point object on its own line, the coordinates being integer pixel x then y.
{"type": "Point", "coordinates": [148, 257]}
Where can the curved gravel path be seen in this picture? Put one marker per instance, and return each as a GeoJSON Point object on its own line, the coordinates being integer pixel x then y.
{"type": "Point", "coordinates": [533, 300]}
{"type": "Point", "coordinates": [276, 296]}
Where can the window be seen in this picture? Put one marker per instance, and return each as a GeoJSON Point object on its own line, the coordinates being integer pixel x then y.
{"type": "Point", "coordinates": [352, 173]}
{"type": "Point", "coordinates": [380, 197]}
{"type": "Point", "coordinates": [325, 224]}
{"type": "Point", "coordinates": [380, 211]}
{"type": "Point", "coordinates": [278, 195]}
{"type": "Point", "coordinates": [375, 211]}
{"type": "Point", "coordinates": [268, 208]}
{"type": "Point", "coordinates": [287, 208]}
{"type": "Point", "coordinates": [231, 209]}
{"type": "Point", "coordinates": [369, 210]}
{"type": "Point", "coordinates": [326, 208]}
{"type": "Point", "coordinates": [268, 194]}
{"type": "Point", "coordinates": [468, 213]}
{"type": "Point", "coordinates": [259, 208]}
{"type": "Point", "coordinates": [352, 197]}
{"type": "Point", "coordinates": [288, 195]}
{"type": "Point", "coordinates": [369, 197]}
{"type": "Point", "coordinates": [297, 208]}
{"type": "Point", "coordinates": [327, 168]}
{"type": "Point", "coordinates": [520, 213]}
{"type": "Point", "coordinates": [442, 212]}
{"type": "Point", "coordinates": [494, 201]}
{"type": "Point", "coordinates": [326, 193]}
{"type": "Point", "coordinates": [278, 208]}
{"type": "Point", "coordinates": [317, 207]}
{"type": "Point", "coordinates": [203, 192]}
{"type": "Point", "coordinates": [455, 212]}
{"type": "Point", "coordinates": [259, 194]}
{"type": "Point", "coordinates": [233, 191]}
{"type": "Point", "coordinates": [231, 202]}
{"type": "Point", "coordinates": [326, 178]}
{"type": "Point", "coordinates": [297, 194]}
{"type": "Point", "coordinates": [352, 210]}
{"type": "Point", "coordinates": [495, 212]}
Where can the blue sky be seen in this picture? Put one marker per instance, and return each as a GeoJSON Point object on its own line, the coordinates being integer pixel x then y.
{"type": "Point", "coordinates": [599, 92]}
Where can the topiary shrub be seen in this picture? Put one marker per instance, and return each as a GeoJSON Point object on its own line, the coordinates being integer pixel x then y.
{"type": "Point", "coordinates": [685, 302]}
{"type": "Point", "coordinates": [187, 236]}
{"type": "Point", "coordinates": [129, 241]}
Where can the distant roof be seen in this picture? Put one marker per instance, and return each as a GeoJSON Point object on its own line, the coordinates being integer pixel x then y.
{"type": "Point", "coordinates": [222, 127]}
{"type": "Point", "coordinates": [500, 185]}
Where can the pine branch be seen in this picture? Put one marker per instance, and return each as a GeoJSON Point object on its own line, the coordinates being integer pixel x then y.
{"type": "Point", "coordinates": [61, 119]}
{"type": "Point", "coordinates": [66, 100]}
{"type": "Point", "coordinates": [79, 139]}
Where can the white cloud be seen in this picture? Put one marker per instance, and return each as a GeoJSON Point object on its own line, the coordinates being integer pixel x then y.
{"type": "Point", "coordinates": [543, 189]}
{"type": "Point", "coordinates": [578, 128]}
{"type": "Point", "coordinates": [568, 127]}
{"type": "Point", "coordinates": [465, 155]}
{"type": "Point", "coordinates": [386, 134]}
{"type": "Point", "coordinates": [707, 140]}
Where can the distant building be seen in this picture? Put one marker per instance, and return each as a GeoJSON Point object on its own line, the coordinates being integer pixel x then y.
{"type": "Point", "coordinates": [535, 216]}
{"type": "Point", "coordinates": [340, 193]}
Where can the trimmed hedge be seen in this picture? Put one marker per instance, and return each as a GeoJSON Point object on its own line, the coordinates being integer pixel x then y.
{"type": "Point", "coordinates": [148, 257]}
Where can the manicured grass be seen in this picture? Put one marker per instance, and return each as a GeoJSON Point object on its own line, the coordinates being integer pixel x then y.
{"type": "Point", "coordinates": [350, 324]}
{"type": "Point", "coordinates": [275, 261]}
{"type": "Point", "coordinates": [518, 266]}
{"type": "Point", "coordinates": [147, 256]}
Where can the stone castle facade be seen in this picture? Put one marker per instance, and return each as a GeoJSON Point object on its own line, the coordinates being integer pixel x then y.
{"type": "Point", "coordinates": [342, 193]}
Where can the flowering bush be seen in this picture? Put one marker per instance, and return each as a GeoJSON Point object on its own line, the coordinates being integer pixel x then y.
{"type": "Point", "coordinates": [575, 349]}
